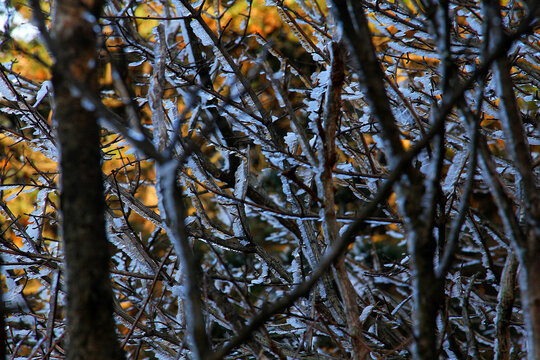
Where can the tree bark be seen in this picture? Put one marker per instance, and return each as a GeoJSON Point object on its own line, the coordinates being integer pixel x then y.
{"type": "Point", "coordinates": [91, 325]}
{"type": "Point", "coordinates": [526, 180]}
{"type": "Point", "coordinates": [427, 289]}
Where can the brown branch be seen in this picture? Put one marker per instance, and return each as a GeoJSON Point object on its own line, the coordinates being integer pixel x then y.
{"type": "Point", "coordinates": [505, 305]}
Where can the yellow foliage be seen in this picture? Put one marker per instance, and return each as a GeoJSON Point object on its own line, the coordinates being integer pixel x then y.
{"type": "Point", "coordinates": [32, 286]}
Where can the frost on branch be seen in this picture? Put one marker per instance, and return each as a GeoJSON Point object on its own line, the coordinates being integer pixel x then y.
{"type": "Point", "coordinates": [229, 111]}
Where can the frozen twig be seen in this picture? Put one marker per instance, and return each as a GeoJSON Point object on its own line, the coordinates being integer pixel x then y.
{"type": "Point", "coordinates": [505, 304]}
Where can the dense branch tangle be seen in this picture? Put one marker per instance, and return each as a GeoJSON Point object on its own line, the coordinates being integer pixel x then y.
{"type": "Point", "coordinates": [284, 148]}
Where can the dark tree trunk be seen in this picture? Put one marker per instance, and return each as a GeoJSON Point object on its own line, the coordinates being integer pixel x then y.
{"type": "Point", "coordinates": [91, 325]}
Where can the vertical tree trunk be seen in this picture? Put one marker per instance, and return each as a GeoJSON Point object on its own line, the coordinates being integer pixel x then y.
{"type": "Point", "coordinates": [530, 291]}
{"type": "Point", "coordinates": [427, 290]}
{"type": "Point", "coordinates": [518, 150]}
{"type": "Point", "coordinates": [91, 326]}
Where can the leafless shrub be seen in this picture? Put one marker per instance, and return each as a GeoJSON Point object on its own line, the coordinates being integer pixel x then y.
{"type": "Point", "coordinates": [302, 193]}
